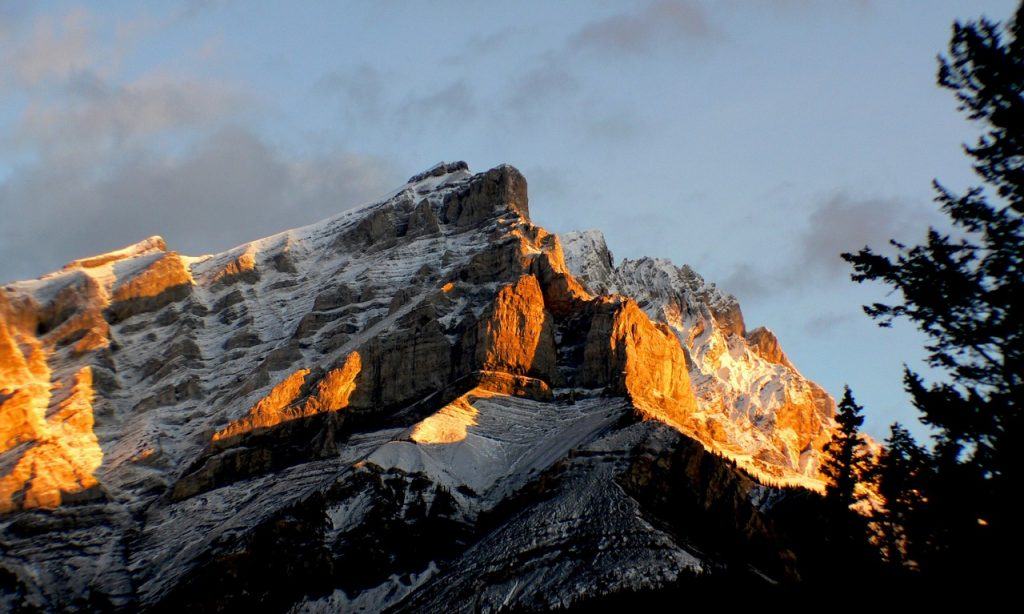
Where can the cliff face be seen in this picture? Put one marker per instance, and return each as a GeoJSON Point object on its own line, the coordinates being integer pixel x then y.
{"type": "Point", "coordinates": [752, 404]}
{"type": "Point", "coordinates": [347, 414]}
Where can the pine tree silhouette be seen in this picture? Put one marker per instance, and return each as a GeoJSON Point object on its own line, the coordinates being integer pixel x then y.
{"type": "Point", "coordinates": [903, 471]}
{"type": "Point", "coordinates": [846, 465]}
{"type": "Point", "coordinates": [846, 460]}
{"type": "Point", "coordinates": [966, 293]}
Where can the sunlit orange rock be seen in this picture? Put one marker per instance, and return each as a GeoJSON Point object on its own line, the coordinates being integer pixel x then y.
{"type": "Point", "coordinates": [20, 418]}
{"type": "Point", "coordinates": [284, 402]}
{"type": "Point", "coordinates": [167, 272]}
{"type": "Point", "coordinates": [765, 344]}
{"type": "Point", "coordinates": [335, 389]}
{"type": "Point", "coordinates": [628, 352]}
{"type": "Point", "coordinates": [63, 458]}
{"type": "Point", "coordinates": [517, 336]}
{"type": "Point", "coordinates": [241, 268]}
{"type": "Point", "coordinates": [514, 385]}
{"type": "Point", "coordinates": [562, 293]}
{"type": "Point", "coordinates": [269, 410]}
{"type": "Point", "coordinates": [146, 246]}
{"type": "Point", "coordinates": [163, 281]}
{"type": "Point", "coordinates": [805, 416]}
{"type": "Point", "coordinates": [24, 378]}
{"type": "Point", "coordinates": [75, 314]}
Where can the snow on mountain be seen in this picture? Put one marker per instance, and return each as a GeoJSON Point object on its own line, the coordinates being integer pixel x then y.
{"type": "Point", "coordinates": [367, 409]}
{"type": "Point", "coordinates": [754, 406]}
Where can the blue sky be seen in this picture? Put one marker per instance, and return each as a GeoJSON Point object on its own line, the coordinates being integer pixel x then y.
{"type": "Point", "coordinates": [752, 140]}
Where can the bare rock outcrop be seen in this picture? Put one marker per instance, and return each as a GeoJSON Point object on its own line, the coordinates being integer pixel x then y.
{"type": "Point", "coordinates": [60, 460]}
{"type": "Point", "coordinates": [283, 404]}
{"type": "Point", "coordinates": [517, 336]}
{"type": "Point", "coordinates": [752, 403]}
{"type": "Point", "coordinates": [632, 355]}
{"type": "Point", "coordinates": [501, 188]}
{"type": "Point", "coordinates": [765, 344]}
{"type": "Point", "coordinates": [241, 268]}
{"type": "Point", "coordinates": [161, 282]}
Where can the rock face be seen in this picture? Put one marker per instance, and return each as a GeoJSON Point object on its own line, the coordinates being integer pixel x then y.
{"type": "Point", "coordinates": [60, 458]}
{"type": "Point", "coordinates": [517, 335]}
{"type": "Point", "coordinates": [280, 405]}
{"type": "Point", "coordinates": [752, 404]}
{"type": "Point", "coordinates": [639, 359]}
{"type": "Point", "coordinates": [418, 404]}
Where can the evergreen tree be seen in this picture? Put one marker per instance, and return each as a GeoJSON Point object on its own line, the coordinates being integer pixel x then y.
{"type": "Point", "coordinates": [966, 293]}
{"type": "Point", "coordinates": [903, 471]}
{"type": "Point", "coordinates": [848, 553]}
{"type": "Point", "coordinates": [846, 461]}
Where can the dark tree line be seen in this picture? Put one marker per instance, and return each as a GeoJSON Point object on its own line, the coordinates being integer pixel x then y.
{"type": "Point", "coordinates": [949, 509]}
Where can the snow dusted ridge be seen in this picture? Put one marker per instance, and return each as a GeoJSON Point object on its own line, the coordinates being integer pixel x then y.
{"type": "Point", "coordinates": [420, 403]}
{"type": "Point", "coordinates": [755, 406]}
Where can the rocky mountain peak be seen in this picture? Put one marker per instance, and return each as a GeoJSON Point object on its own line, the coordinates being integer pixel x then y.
{"type": "Point", "coordinates": [146, 246]}
{"type": "Point", "coordinates": [747, 390]}
{"type": "Point", "coordinates": [439, 170]}
{"type": "Point", "coordinates": [432, 369]}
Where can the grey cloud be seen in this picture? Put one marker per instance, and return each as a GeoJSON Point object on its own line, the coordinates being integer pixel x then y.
{"type": "Point", "coordinates": [614, 128]}
{"type": "Point", "coordinates": [103, 162]}
{"type": "Point", "coordinates": [548, 80]}
{"type": "Point", "coordinates": [480, 45]}
{"type": "Point", "coordinates": [74, 103]}
{"type": "Point", "coordinates": [747, 281]}
{"type": "Point", "coordinates": [553, 79]}
{"type": "Point", "coordinates": [368, 95]}
{"type": "Point", "coordinates": [830, 321]}
{"type": "Point", "coordinates": [838, 224]}
{"type": "Point", "coordinates": [230, 187]}
{"type": "Point", "coordinates": [843, 224]}
{"type": "Point", "coordinates": [454, 102]}
{"type": "Point", "coordinates": [636, 32]}
{"type": "Point", "coordinates": [53, 48]}
{"type": "Point", "coordinates": [94, 112]}
{"type": "Point", "coordinates": [361, 89]}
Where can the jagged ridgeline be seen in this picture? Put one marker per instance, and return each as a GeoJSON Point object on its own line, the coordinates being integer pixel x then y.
{"type": "Point", "coordinates": [423, 403]}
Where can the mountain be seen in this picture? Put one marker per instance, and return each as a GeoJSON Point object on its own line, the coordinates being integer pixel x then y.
{"type": "Point", "coordinates": [753, 404]}
{"type": "Point", "coordinates": [424, 403]}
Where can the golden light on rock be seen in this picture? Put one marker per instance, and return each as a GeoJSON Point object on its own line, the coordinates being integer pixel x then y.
{"type": "Point", "coordinates": [62, 458]}
{"type": "Point", "coordinates": [640, 358]}
{"type": "Point", "coordinates": [335, 389]}
{"type": "Point", "coordinates": [149, 245]}
{"type": "Point", "coordinates": [241, 267]}
{"type": "Point", "coordinates": [656, 374]}
{"type": "Point", "coordinates": [165, 273]}
{"type": "Point", "coordinates": [518, 289]}
{"type": "Point", "coordinates": [24, 389]}
{"type": "Point", "coordinates": [448, 425]}
{"type": "Point", "coordinates": [518, 335]}
{"type": "Point", "coordinates": [284, 403]}
{"type": "Point", "coordinates": [46, 425]}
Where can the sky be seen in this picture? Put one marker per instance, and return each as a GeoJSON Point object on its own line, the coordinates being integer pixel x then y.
{"type": "Point", "coordinates": [753, 140]}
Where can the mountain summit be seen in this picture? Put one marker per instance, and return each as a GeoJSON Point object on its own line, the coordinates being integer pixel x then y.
{"type": "Point", "coordinates": [423, 403]}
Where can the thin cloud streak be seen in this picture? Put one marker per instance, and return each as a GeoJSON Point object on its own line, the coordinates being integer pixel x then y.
{"type": "Point", "coordinates": [840, 223]}
{"type": "Point", "coordinates": [638, 31]}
